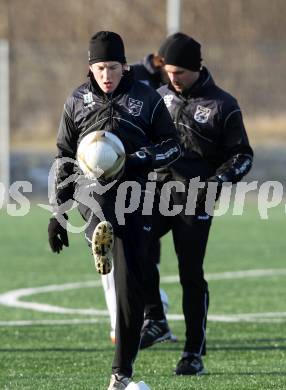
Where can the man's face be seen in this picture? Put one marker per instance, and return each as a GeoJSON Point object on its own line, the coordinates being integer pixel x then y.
{"type": "Point", "coordinates": [107, 74]}
{"type": "Point", "coordinates": [181, 78]}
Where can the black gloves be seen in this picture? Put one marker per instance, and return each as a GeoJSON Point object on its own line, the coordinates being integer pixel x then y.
{"type": "Point", "coordinates": [202, 192]}
{"type": "Point", "coordinates": [58, 235]}
{"type": "Point", "coordinates": [235, 168]}
{"type": "Point", "coordinates": [231, 171]}
{"type": "Point", "coordinates": [137, 162]}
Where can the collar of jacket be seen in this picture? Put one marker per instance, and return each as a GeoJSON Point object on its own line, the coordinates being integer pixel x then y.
{"type": "Point", "coordinates": [204, 81]}
{"type": "Point", "coordinates": [125, 83]}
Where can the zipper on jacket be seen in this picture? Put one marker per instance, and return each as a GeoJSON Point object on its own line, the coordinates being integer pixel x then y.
{"type": "Point", "coordinates": [177, 116]}
{"type": "Point", "coordinates": [110, 111]}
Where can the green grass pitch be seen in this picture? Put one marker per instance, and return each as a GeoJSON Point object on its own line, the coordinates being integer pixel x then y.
{"type": "Point", "coordinates": [247, 353]}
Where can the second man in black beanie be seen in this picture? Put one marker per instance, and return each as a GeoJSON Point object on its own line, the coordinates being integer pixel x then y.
{"type": "Point", "coordinates": [215, 149]}
{"type": "Point", "coordinates": [183, 51]}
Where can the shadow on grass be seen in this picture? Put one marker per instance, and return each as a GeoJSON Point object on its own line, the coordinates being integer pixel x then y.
{"type": "Point", "coordinates": [213, 345]}
{"type": "Point", "coordinates": [248, 348]}
{"type": "Point", "coordinates": [250, 373]}
{"type": "Point", "coordinates": [222, 346]}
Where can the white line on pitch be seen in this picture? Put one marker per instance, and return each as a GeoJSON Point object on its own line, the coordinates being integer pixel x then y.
{"type": "Point", "coordinates": [231, 318]}
{"type": "Point", "coordinates": [12, 298]}
{"type": "Point", "coordinates": [251, 273]}
{"type": "Point", "coordinates": [72, 321]}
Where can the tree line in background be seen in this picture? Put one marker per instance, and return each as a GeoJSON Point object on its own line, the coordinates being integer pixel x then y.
{"type": "Point", "coordinates": [242, 44]}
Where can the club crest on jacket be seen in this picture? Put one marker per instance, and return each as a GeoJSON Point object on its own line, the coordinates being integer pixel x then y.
{"type": "Point", "coordinates": [88, 99]}
{"type": "Point", "coordinates": [168, 100]}
{"type": "Point", "coordinates": [202, 114]}
{"type": "Point", "coordinates": [134, 106]}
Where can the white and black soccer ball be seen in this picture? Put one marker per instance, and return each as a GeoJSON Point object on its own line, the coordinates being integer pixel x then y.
{"type": "Point", "coordinates": [101, 154]}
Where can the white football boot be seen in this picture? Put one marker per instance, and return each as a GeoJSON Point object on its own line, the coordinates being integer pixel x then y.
{"type": "Point", "coordinates": [137, 386]}
{"type": "Point", "coordinates": [118, 382]}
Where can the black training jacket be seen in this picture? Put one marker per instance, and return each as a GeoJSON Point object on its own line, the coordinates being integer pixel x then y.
{"type": "Point", "coordinates": [145, 72]}
{"type": "Point", "coordinates": [134, 112]}
{"type": "Point", "coordinates": [211, 130]}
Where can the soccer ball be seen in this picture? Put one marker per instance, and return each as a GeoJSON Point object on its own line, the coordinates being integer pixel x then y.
{"type": "Point", "coordinates": [101, 154]}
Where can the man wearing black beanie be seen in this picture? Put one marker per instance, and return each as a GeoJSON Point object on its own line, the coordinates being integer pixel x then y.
{"type": "Point", "coordinates": [215, 148]}
{"type": "Point", "coordinates": [185, 52]}
{"type": "Point", "coordinates": [150, 70]}
{"type": "Point", "coordinates": [106, 46]}
{"type": "Point", "coordinates": [112, 101]}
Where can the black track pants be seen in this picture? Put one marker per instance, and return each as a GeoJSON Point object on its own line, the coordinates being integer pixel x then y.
{"type": "Point", "coordinates": [190, 237]}
{"type": "Point", "coordinates": [190, 240]}
{"type": "Point", "coordinates": [130, 252]}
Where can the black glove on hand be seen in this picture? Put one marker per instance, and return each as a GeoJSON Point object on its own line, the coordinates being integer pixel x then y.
{"type": "Point", "coordinates": [137, 162]}
{"type": "Point", "coordinates": [58, 235]}
{"type": "Point", "coordinates": [202, 192]}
